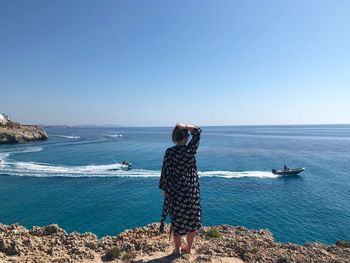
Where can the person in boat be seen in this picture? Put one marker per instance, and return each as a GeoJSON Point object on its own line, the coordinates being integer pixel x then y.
{"type": "Point", "coordinates": [180, 185]}
{"type": "Point", "coordinates": [125, 163]}
{"type": "Point", "coordinates": [286, 168]}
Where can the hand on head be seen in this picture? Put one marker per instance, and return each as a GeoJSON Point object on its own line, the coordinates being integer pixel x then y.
{"type": "Point", "coordinates": [189, 127]}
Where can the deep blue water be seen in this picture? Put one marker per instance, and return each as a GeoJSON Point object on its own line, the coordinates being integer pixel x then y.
{"type": "Point", "coordinates": [68, 181]}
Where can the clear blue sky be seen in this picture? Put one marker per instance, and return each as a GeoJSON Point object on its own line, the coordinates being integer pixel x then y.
{"type": "Point", "coordinates": [154, 63]}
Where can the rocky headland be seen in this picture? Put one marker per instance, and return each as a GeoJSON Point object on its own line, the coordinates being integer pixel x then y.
{"type": "Point", "coordinates": [13, 132]}
{"type": "Point", "coordinates": [215, 244]}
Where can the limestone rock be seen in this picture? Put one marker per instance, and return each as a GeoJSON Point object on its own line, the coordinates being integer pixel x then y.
{"type": "Point", "coordinates": [12, 132]}
{"type": "Point", "coordinates": [143, 244]}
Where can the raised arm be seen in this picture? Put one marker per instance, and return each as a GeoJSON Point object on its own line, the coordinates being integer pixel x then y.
{"type": "Point", "coordinates": [196, 132]}
{"type": "Point", "coordinates": [196, 136]}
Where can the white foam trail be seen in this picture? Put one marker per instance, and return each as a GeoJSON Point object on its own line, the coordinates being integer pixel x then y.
{"type": "Point", "coordinates": [66, 136]}
{"type": "Point", "coordinates": [45, 170]}
{"type": "Point", "coordinates": [232, 174]}
{"type": "Point", "coordinates": [29, 150]}
{"type": "Point", "coordinates": [89, 169]}
{"type": "Point", "coordinates": [107, 170]}
{"type": "Point", "coordinates": [4, 155]}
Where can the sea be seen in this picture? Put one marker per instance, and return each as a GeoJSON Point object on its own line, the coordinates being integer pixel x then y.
{"type": "Point", "coordinates": [76, 179]}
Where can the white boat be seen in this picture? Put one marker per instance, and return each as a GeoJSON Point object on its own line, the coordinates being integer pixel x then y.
{"type": "Point", "coordinates": [124, 166]}
{"type": "Point", "coordinates": [288, 171]}
{"type": "Point", "coordinates": [114, 135]}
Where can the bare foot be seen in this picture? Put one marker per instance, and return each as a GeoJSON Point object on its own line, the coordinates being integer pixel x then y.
{"type": "Point", "coordinates": [185, 250]}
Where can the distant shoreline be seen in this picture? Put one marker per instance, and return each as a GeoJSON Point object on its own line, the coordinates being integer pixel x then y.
{"type": "Point", "coordinates": [248, 125]}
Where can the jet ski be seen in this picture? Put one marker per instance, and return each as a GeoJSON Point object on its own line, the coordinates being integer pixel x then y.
{"type": "Point", "coordinates": [126, 165]}
{"type": "Point", "coordinates": [288, 171]}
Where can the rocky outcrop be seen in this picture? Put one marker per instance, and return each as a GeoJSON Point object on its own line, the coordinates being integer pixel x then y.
{"type": "Point", "coordinates": [13, 132]}
{"type": "Point", "coordinates": [230, 244]}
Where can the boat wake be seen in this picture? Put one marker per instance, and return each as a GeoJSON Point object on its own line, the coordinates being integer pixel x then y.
{"type": "Point", "coordinates": [233, 174]}
{"type": "Point", "coordinates": [4, 155]}
{"type": "Point", "coordinates": [18, 168]}
{"type": "Point", "coordinates": [46, 170]}
{"type": "Point", "coordinates": [108, 170]}
{"type": "Point", "coordinates": [66, 136]}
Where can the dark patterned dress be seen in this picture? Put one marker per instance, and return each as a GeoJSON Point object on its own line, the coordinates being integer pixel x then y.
{"type": "Point", "coordinates": [179, 180]}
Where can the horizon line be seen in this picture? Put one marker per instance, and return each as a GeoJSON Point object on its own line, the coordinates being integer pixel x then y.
{"type": "Point", "coordinates": [167, 126]}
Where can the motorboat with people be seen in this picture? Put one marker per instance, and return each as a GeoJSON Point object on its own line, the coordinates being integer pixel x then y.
{"type": "Point", "coordinates": [126, 165]}
{"type": "Point", "coordinates": [288, 171]}
{"type": "Point", "coordinates": [115, 135]}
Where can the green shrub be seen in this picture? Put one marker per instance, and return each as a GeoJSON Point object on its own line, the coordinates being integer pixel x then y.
{"type": "Point", "coordinates": [112, 254]}
{"type": "Point", "coordinates": [212, 232]}
{"type": "Point", "coordinates": [254, 250]}
{"type": "Point", "coordinates": [128, 256]}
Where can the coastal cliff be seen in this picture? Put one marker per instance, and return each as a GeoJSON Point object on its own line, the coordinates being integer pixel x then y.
{"type": "Point", "coordinates": [13, 132]}
{"type": "Point", "coordinates": [215, 244]}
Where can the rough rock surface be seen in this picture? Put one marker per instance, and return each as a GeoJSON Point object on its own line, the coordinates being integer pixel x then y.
{"type": "Point", "coordinates": [13, 132]}
{"type": "Point", "coordinates": [143, 244]}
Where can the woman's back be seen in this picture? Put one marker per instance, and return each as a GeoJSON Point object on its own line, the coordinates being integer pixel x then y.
{"type": "Point", "coordinates": [179, 180]}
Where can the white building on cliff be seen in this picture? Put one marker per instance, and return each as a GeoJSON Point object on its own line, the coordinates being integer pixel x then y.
{"type": "Point", "coordinates": [4, 118]}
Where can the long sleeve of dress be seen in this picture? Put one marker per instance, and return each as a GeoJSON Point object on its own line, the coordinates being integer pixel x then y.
{"type": "Point", "coordinates": [164, 184]}
{"type": "Point", "coordinates": [164, 177]}
{"type": "Point", "coordinates": [194, 143]}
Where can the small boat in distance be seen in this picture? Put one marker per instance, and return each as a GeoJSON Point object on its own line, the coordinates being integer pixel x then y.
{"type": "Point", "coordinates": [288, 171]}
{"type": "Point", "coordinates": [116, 135]}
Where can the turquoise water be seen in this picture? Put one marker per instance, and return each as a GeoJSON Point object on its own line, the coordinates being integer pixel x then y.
{"type": "Point", "coordinates": [75, 179]}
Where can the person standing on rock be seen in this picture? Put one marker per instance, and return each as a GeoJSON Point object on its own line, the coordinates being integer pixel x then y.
{"type": "Point", "coordinates": [180, 184]}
